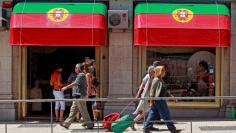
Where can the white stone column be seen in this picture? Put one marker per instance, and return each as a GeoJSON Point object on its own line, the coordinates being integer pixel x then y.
{"type": "Point", "coordinates": [120, 61]}
{"type": "Point", "coordinates": [120, 64]}
{"type": "Point", "coordinates": [7, 111]}
{"type": "Point", "coordinates": [120, 71]}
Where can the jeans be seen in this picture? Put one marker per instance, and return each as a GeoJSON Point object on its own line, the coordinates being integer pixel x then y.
{"type": "Point", "coordinates": [59, 104]}
{"type": "Point", "coordinates": [161, 107]}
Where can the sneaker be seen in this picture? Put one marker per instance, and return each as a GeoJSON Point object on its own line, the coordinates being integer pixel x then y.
{"type": "Point", "coordinates": [175, 131]}
{"type": "Point", "coordinates": [64, 125]}
{"type": "Point", "coordinates": [90, 126]}
{"type": "Point", "coordinates": [146, 131]}
{"type": "Point", "coordinates": [133, 127]}
{"type": "Point", "coordinates": [154, 129]}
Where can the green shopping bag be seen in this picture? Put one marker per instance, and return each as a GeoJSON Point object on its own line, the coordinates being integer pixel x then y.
{"type": "Point", "coordinates": [121, 124]}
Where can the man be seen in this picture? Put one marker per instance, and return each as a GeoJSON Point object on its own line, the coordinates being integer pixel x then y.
{"type": "Point", "coordinates": [140, 91]}
{"type": "Point", "coordinates": [79, 92]}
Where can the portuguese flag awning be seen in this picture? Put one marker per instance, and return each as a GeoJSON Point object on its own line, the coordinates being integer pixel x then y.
{"type": "Point", "coordinates": [58, 24]}
{"type": "Point", "coordinates": [194, 25]}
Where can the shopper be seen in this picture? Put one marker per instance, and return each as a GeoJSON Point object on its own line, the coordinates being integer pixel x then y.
{"type": "Point", "coordinates": [79, 92]}
{"type": "Point", "coordinates": [143, 92]}
{"type": "Point", "coordinates": [159, 89]}
{"type": "Point", "coordinates": [56, 82]}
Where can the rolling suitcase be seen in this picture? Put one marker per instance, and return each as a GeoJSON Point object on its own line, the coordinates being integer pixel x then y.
{"type": "Point", "coordinates": [122, 123]}
{"type": "Point", "coordinates": [109, 119]}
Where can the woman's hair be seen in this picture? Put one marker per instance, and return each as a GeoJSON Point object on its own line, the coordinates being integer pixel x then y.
{"type": "Point", "coordinates": [91, 62]}
{"type": "Point", "coordinates": [150, 69]}
{"type": "Point", "coordinates": [58, 66]}
{"type": "Point", "coordinates": [86, 67]}
{"type": "Point", "coordinates": [158, 70]}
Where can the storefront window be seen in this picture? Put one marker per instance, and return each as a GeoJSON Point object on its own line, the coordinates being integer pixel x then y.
{"type": "Point", "coordinates": [190, 71]}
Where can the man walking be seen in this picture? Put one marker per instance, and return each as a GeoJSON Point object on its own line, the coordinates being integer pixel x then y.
{"type": "Point", "coordinates": [79, 92]}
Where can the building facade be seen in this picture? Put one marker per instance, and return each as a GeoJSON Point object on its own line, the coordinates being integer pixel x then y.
{"type": "Point", "coordinates": [195, 40]}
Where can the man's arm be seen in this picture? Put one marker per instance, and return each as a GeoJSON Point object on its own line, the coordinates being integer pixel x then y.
{"type": "Point", "coordinates": [140, 90]}
{"type": "Point", "coordinates": [142, 85]}
{"type": "Point", "coordinates": [170, 95]}
{"type": "Point", "coordinates": [69, 86]}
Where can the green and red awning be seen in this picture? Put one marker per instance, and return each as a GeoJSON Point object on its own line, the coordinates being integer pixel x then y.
{"type": "Point", "coordinates": [58, 24]}
{"type": "Point", "coordinates": [195, 25]}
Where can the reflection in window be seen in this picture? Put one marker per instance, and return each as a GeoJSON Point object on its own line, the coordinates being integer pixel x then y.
{"type": "Point", "coordinates": [190, 71]}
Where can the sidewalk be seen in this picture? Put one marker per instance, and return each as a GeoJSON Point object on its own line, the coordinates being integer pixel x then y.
{"type": "Point", "coordinates": [43, 127]}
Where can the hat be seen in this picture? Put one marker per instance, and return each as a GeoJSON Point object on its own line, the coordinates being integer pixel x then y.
{"type": "Point", "coordinates": [156, 63]}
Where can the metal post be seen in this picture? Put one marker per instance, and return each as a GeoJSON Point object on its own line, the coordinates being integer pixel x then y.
{"type": "Point", "coordinates": [5, 127]}
{"type": "Point", "coordinates": [191, 126]}
{"type": "Point", "coordinates": [51, 118]}
{"type": "Point", "coordinates": [97, 125]}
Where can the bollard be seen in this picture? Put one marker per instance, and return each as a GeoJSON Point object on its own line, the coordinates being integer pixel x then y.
{"type": "Point", "coordinates": [6, 128]}
{"type": "Point", "coordinates": [232, 112]}
{"type": "Point", "coordinates": [191, 127]}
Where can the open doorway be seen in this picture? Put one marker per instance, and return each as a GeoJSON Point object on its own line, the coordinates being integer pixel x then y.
{"type": "Point", "coordinates": [40, 62]}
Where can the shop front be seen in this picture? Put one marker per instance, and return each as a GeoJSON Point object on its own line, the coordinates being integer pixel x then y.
{"type": "Point", "coordinates": [190, 39]}
{"type": "Point", "coordinates": [46, 34]}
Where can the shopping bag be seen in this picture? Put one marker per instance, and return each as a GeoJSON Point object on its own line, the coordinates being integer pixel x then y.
{"type": "Point", "coordinates": [122, 123]}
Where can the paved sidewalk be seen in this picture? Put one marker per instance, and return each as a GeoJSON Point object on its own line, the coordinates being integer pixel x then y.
{"type": "Point", "coordinates": [42, 127]}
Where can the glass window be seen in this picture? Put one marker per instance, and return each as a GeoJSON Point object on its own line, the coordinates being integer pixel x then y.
{"type": "Point", "coordinates": [190, 71]}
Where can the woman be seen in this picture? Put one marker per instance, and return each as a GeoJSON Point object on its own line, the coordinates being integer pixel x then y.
{"type": "Point", "coordinates": [56, 82]}
{"type": "Point", "coordinates": [159, 89]}
{"type": "Point", "coordinates": [90, 90]}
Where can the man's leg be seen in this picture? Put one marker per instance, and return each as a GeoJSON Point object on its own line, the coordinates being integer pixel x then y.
{"type": "Point", "coordinates": [70, 118]}
{"type": "Point", "coordinates": [84, 112]}
{"type": "Point", "coordinates": [150, 117]}
{"type": "Point", "coordinates": [165, 114]}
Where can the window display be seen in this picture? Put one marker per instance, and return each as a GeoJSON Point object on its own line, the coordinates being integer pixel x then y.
{"type": "Point", "coordinates": [190, 71]}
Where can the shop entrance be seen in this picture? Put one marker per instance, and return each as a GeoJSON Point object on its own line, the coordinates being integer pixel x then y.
{"type": "Point", "coordinates": [40, 63]}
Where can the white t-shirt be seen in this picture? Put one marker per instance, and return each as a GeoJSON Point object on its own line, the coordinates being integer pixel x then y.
{"type": "Point", "coordinates": [146, 84]}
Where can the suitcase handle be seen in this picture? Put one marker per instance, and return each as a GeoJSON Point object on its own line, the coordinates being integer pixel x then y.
{"type": "Point", "coordinates": [122, 111]}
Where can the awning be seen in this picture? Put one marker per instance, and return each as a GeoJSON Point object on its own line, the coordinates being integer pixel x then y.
{"type": "Point", "coordinates": [195, 25]}
{"type": "Point", "coordinates": [58, 24]}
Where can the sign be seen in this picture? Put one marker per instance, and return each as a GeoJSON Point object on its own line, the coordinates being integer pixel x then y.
{"type": "Point", "coordinates": [58, 14]}
{"type": "Point", "coordinates": [182, 15]}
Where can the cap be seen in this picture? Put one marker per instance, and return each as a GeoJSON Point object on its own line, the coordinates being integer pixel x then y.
{"type": "Point", "coordinates": [156, 63]}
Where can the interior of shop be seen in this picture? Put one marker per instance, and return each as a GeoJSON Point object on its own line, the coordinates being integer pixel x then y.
{"type": "Point", "coordinates": [190, 71]}
{"type": "Point", "coordinates": [40, 63]}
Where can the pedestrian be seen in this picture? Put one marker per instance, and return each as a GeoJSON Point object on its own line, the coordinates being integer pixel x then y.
{"type": "Point", "coordinates": [143, 106]}
{"type": "Point", "coordinates": [79, 92]}
{"type": "Point", "coordinates": [90, 90]}
{"type": "Point", "coordinates": [71, 79]}
{"type": "Point", "coordinates": [159, 89]}
{"type": "Point", "coordinates": [143, 93]}
{"type": "Point", "coordinates": [56, 82]}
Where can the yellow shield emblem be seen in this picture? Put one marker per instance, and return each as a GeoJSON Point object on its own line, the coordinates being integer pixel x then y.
{"type": "Point", "coordinates": [182, 15]}
{"type": "Point", "coordinates": [58, 14]}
